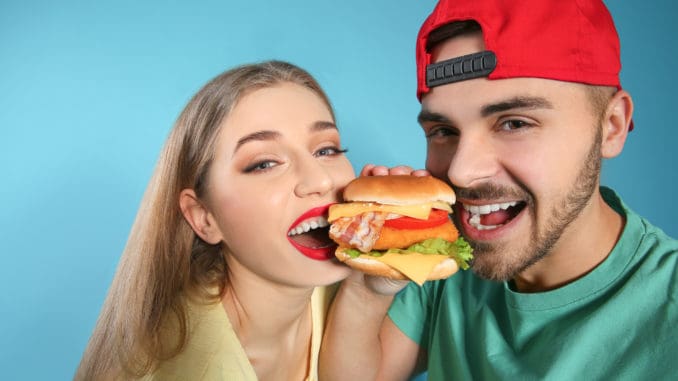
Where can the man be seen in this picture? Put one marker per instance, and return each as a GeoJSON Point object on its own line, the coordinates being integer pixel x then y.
{"type": "Point", "coordinates": [520, 102]}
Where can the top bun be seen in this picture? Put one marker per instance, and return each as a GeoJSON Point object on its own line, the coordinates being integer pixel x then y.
{"type": "Point", "coordinates": [399, 190]}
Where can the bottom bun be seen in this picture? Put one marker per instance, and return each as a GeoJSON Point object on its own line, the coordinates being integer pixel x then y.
{"type": "Point", "coordinates": [370, 266]}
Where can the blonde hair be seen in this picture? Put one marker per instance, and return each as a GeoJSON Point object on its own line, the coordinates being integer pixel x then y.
{"type": "Point", "coordinates": [164, 261]}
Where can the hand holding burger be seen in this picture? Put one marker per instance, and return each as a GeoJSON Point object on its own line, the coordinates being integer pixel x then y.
{"type": "Point", "coordinates": [397, 226]}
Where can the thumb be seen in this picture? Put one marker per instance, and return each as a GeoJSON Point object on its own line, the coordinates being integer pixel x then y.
{"type": "Point", "coordinates": [385, 286]}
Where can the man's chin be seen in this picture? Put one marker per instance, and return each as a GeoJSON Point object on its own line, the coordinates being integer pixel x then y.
{"type": "Point", "coordinates": [497, 265]}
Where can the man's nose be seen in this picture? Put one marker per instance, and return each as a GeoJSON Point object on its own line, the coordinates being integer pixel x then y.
{"type": "Point", "coordinates": [474, 161]}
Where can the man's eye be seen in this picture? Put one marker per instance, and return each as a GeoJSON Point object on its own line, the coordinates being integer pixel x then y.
{"type": "Point", "coordinates": [441, 132]}
{"type": "Point", "coordinates": [513, 124]}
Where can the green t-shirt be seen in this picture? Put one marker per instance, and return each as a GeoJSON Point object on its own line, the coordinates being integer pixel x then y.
{"type": "Point", "coordinates": [619, 322]}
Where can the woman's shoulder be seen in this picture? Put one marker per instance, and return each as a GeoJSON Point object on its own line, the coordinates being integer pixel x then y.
{"type": "Point", "coordinates": [212, 351]}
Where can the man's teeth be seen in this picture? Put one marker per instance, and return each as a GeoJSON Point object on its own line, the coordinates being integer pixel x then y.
{"type": "Point", "coordinates": [475, 222]}
{"type": "Point", "coordinates": [477, 210]}
{"type": "Point", "coordinates": [488, 208]}
{"type": "Point", "coordinates": [306, 226]}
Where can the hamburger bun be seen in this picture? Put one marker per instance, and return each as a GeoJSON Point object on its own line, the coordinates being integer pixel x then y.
{"type": "Point", "coordinates": [398, 190]}
{"type": "Point", "coordinates": [370, 266]}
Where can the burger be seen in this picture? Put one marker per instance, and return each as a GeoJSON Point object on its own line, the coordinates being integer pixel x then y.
{"type": "Point", "coordinates": [398, 226]}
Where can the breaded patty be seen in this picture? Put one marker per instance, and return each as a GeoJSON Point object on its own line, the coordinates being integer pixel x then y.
{"type": "Point", "coordinates": [390, 238]}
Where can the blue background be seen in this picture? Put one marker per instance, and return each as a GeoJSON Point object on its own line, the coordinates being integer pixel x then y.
{"type": "Point", "coordinates": [89, 91]}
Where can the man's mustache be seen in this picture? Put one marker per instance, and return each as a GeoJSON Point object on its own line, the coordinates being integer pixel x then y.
{"type": "Point", "coordinates": [490, 191]}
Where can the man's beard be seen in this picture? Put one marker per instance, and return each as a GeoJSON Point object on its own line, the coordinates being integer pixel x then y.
{"type": "Point", "coordinates": [499, 262]}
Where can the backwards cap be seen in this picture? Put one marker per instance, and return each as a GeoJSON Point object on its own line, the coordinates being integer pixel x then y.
{"type": "Point", "coordinates": [566, 40]}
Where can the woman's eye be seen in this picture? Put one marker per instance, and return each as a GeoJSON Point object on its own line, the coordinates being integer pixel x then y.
{"type": "Point", "coordinates": [330, 151]}
{"type": "Point", "coordinates": [260, 166]}
{"type": "Point", "coordinates": [513, 124]}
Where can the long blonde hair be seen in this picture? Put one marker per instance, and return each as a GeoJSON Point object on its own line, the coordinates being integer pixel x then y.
{"type": "Point", "coordinates": [164, 261]}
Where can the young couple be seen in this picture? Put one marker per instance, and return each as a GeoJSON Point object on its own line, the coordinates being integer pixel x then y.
{"type": "Point", "coordinates": [228, 273]}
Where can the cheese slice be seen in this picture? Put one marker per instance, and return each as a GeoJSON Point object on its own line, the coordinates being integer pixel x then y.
{"type": "Point", "coordinates": [420, 211]}
{"type": "Point", "coordinates": [414, 265]}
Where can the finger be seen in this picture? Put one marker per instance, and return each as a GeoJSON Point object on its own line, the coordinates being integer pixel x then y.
{"type": "Point", "coordinates": [400, 170]}
{"type": "Point", "coordinates": [385, 286]}
{"type": "Point", "coordinates": [367, 170]}
{"type": "Point", "coordinates": [374, 170]}
{"type": "Point", "coordinates": [421, 172]}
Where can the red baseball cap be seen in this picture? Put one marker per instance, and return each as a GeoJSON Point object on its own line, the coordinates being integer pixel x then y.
{"type": "Point", "coordinates": [566, 40]}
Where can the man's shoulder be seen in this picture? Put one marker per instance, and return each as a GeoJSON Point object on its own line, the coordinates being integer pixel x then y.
{"type": "Point", "coordinates": [638, 231]}
{"type": "Point", "coordinates": [463, 285]}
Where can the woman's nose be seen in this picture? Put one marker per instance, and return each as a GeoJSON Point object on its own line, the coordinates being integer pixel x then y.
{"type": "Point", "coordinates": [313, 179]}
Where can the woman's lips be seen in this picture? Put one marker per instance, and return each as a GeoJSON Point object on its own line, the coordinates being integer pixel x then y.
{"type": "Point", "coordinates": [309, 234]}
{"type": "Point", "coordinates": [320, 254]}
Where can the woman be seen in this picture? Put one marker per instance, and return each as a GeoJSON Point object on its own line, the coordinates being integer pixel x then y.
{"type": "Point", "coordinates": [218, 279]}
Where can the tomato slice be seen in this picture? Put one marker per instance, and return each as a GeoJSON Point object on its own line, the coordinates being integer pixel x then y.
{"type": "Point", "coordinates": [435, 218]}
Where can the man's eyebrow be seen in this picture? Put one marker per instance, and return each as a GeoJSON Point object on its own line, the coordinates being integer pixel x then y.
{"type": "Point", "coordinates": [515, 103]}
{"type": "Point", "coordinates": [487, 110]}
{"type": "Point", "coordinates": [256, 136]}
{"type": "Point", "coordinates": [430, 116]}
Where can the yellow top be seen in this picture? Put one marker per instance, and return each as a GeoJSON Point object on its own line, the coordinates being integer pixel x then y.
{"type": "Point", "coordinates": [213, 351]}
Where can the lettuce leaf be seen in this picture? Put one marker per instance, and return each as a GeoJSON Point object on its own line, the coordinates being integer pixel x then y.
{"type": "Point", "coordinates": [458, 250]}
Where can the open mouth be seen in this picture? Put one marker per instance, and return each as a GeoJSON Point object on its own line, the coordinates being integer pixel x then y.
{"type": "Point", "coordinates": [311, 238]}
{"type": "Point", "coordinates": [313, 233]}
{"type": "Point", "coordinates": [493, 216]}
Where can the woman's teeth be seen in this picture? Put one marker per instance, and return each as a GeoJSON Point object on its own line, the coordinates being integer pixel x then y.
{"type": "Point", "coordinates": [477, 211]}
{"type": "Point", "coordinates": [306, 226]}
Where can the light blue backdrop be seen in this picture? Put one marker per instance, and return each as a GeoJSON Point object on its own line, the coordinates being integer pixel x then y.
{"type": "Point", "coordinates": [89, 90]}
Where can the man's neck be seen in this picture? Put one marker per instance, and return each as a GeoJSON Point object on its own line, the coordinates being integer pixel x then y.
{"type": "Point", "coordinates": [585, 244]}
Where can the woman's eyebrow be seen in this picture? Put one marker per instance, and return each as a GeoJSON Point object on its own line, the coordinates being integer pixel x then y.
{"type": "Point", "coordinates": [256, 136]}
{"type": "Point", "coordinates": [323, 125]}
{"type": "Point", "coordinates": [264, 135]}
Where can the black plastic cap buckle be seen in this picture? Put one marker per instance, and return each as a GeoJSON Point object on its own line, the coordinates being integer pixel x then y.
{"type": "Point", "coordinates": [461, 68]}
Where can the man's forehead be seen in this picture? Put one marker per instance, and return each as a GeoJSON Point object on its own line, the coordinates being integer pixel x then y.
{"type": "Point", "coordinates": [483, 96]}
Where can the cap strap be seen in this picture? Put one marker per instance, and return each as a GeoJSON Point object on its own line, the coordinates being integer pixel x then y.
{"type": "Point", "coordinates": [461, 68]}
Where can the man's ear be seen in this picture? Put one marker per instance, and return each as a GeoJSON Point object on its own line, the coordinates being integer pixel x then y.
{"type": "Point", "coordinates": [616, 123]}
{"type": "Point", "coordinates": [201, 220]}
